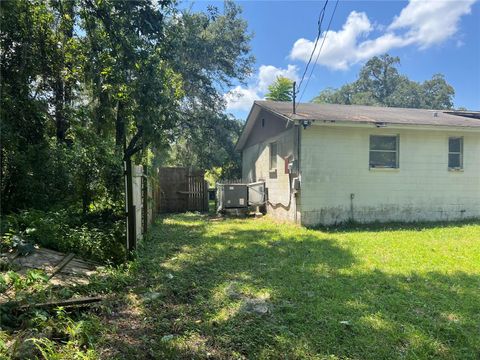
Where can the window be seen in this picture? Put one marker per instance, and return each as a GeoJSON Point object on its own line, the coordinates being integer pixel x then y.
{"type": "Point", "coordinates": [383, 151]}
{"type": "Point", "coordinates": [273, 156]}
{"type": "Point", "coordinates": [263, 122]}
{"type": "Point", "coordinates": [455, 153]}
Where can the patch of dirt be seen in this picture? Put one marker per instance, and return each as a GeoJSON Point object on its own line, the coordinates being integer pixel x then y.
{"type": "Point", "coordinates": [128, 331]}
{"type": "Point", "coordinates": [254, 305]}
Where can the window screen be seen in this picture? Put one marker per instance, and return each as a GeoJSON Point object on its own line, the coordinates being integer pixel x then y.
{"type": "Point", "coordinates": [383, 151]}
{"type": "Point", "coordinates": [273, 156]}
{"type": "Point", "coordinates": [455, 153]}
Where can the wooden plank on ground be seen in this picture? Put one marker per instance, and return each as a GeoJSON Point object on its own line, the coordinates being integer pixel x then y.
{"type": "Point", "coordinates": [61, 265]}
{"type": "Point", "coordinates": [64, 303]}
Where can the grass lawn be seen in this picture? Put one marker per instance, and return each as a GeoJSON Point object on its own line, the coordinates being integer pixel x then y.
{"type": "Point", "coordinates": [253, 288]}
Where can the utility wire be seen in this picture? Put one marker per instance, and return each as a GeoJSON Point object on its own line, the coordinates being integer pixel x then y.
{"type": "Point", "coordinates": [319, 33]}
{"type": "Point", "coordinates": [319, 51]}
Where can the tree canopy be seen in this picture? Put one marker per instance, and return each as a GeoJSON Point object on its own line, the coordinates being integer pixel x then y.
{"type": "Point", "coordinates": [209, 50]}
{"type": "Point", "coordinates": [280, 90]}
{"type": "Point", "coordinates": [379, 83]}
{"type": "Point", "coordinates": [89, 83]}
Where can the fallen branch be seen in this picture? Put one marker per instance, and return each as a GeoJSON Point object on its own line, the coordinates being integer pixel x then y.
{"type": "Point", "coordinates": [63, 303]}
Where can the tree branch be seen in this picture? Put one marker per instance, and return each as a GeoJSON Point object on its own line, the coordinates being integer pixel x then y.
{"type": "Point", "coordinates": [132, 147]}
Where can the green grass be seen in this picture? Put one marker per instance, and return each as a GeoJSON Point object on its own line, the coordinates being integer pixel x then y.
{"type": "Point", "coordinates": [381, 292]}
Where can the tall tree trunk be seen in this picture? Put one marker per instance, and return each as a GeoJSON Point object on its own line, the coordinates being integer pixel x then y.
{"type": "Point", "coordinates": [120, 126]}
{"type": "Point", "coordinates": [63, 88]}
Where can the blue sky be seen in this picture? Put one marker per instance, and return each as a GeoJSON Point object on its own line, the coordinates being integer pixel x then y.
{"type": "Point", "coordinates": [429, 36]}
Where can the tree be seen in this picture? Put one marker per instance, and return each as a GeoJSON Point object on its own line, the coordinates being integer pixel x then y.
{"type": "Point", "coordinates": [380, 84]}
{"type": "Point", "coordinates": [280, 90]}
{"type": "Point", "coordinates": [88, 83]}
{"type": "Point", "coordinates": [208, 50]}
{"type": "Point", "coordinates": [142, 87]}
{"type": "Point", "coordinates": [63, 63]}
{"type": "Point", "coordinates": [24, 110]}
{"type": "Point", "coordinates": [437, 93]}
{"type": "Point", "coordinates": [379, 77]}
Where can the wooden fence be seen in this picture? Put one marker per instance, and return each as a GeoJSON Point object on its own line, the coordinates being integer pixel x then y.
{"type": "Point", "coordinates": [181, 189]}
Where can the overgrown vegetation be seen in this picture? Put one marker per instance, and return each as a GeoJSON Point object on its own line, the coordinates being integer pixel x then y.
{"type": "Point", "coordinates": [98, 236]}
{"type": "Point", "coordinates": [43, 333]}
{"type": "Point", "coordinates": [87, 84]}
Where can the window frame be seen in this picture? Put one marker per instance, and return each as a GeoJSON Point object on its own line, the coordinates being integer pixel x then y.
{"type": "Point", "coordinates": [396, 151]}
{"type": "Point", "coordinates": [460, 153]}
{"type": "Point", "coordinates": [270, 163]}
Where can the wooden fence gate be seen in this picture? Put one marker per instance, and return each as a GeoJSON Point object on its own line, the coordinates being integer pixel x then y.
{"type": "Point", "coordinates": [180, 190]}
{"type": "Point", "coordinates": [197, 192]}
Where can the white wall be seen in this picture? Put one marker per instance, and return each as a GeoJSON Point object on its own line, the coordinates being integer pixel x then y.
{"type": "Point", "coordinates": [255, 167]}
{"type": "Point", "coordinates": [335, 164]}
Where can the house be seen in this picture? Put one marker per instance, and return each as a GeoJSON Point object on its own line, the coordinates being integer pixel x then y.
{"type": "Point", "coordinates": [328, 164]}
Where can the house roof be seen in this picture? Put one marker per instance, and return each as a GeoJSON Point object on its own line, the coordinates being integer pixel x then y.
{"type": "Point", "coordinates": [361, 114]}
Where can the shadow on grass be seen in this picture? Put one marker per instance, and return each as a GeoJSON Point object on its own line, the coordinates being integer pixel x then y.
{"type": "Point", "coordinates": [318, 305]}
{"type": "Point", "coordinates": [350, 227]}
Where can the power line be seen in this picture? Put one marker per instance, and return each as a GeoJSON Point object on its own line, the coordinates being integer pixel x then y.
{"type": "Point", "coordinates": [319, 33]}
{"type": "Point", "coordinates": [319, 51]}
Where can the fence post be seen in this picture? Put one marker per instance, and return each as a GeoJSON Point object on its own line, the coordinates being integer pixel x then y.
{"type": "Point", "coordinates": [131, 233]}
{"type": "Point", "coordinates": [206, 196]}
{"type": "Point", "coordinates": [145, 199]}
{"type": "Point", "coordinates": [217, 195]}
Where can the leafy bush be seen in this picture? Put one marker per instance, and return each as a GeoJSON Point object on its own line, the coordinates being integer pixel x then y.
{"type": "Point", "coordinates": [99, 244]}
{"type": "Point", "coordinates": [98, 236]}
{"type": "Point", "coordinates": [42, 333]}
{"type": "Point", "coordinates": [54, 336]}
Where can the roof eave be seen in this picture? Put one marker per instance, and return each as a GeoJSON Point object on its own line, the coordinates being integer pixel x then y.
{"type": "Point", "coordinates": [239, 146]}
{"type": "Point", "coordinates": [283, 116]}
{"type": "Point", "coordinates": [392, 125]}
{"type": "Point", "coordinates": [244, 135]}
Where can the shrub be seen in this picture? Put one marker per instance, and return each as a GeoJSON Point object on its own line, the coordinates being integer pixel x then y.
{"type": "Point", "coordinates": [98, 237]}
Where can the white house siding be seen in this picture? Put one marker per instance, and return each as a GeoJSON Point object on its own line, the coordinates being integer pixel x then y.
{"type": "Point", "coordinates": [255, 167]}
{"type": "Point", "coordinates": [335, 164]}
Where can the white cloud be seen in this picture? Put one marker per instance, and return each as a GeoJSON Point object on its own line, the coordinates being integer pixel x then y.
{"type": "Point", "coordinates": [380, 45]}
{"type": "Point", "coordinates": [267, 74]}
{"type": "Point", "coordinates": [337, 49]}
{"type": "Point", "coordinates": [431, 22]}
{"type": "Point", "coordinates": [424, 23]}
{"type": "Point", "coordinates": [242, 98]}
